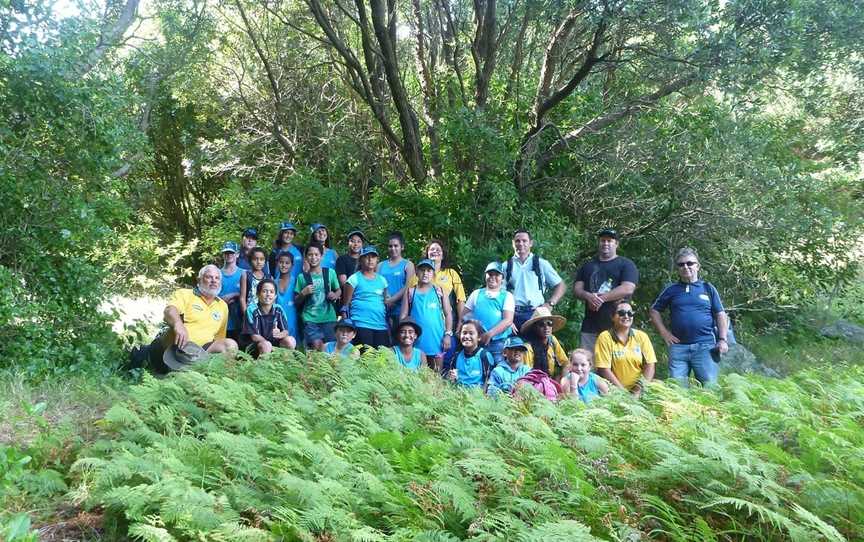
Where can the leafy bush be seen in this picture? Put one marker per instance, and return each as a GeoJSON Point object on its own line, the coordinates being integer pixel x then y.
{"type": "Point", "coordinates": [313, 448]}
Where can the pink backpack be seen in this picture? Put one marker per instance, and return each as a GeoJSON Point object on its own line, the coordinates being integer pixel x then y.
{"type": "Point", "coordinates": [542, 383]}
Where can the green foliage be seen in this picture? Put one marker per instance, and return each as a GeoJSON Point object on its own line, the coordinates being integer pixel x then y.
{"type": "Point", "coordinates": [302, 447]}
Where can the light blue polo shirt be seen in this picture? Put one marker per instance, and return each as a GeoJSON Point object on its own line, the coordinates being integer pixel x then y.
{"type": "Point", "coordinates": [523, 281]}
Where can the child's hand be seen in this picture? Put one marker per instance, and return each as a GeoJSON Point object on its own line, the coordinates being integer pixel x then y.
{"type": "Point", "coordinates": [445, 343]}
{"type": "Point", "coordinates": [332, 296]}
{"type": "Point", "coordinates": [308, 290]}
{"type": "Point", "coordinates": [451, 375]}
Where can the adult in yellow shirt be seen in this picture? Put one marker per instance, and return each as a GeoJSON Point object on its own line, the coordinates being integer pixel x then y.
{"type": "Point", "coordinates": [624, 356]}
{"type": "Point", "coordinates": [199, 316]}
{"type": "Point", "coordinates": [544, 349]}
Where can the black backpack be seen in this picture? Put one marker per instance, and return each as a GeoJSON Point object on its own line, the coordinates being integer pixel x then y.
{"type": "Point", "coordinates": [535, 267]}
{"type": "Point", "coordinates": [307, 276]}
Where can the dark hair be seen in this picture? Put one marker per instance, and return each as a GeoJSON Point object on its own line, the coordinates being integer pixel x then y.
{"type": "Point", "coordinates": [257, 249]}
{"type": "Point", "coordinates": [445, 258]}
{"type": "Point", "coordinates": [478, 325]}
{"type": "Point", "coordinates": [313, 245]}
{"type": "Point", "coordinates": [326, 242]}
{"type": "Point", "coordinates": [521, 230]}
{"type": "Point", "coordinates": [262, 283]}
{"type": "Point", "coordinates": [398, 236]}
{"type": "Point", "coordinates": [285, 253]}
{"type": "Point", "coordinates": [620, 302]}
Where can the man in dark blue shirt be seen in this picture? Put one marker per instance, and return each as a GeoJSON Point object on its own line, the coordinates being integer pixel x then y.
{"type": "Point", "coordinates": [694, 309]}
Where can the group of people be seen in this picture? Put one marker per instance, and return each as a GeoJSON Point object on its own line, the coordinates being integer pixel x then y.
{"type": "Point", "coordinates": [311, 295]}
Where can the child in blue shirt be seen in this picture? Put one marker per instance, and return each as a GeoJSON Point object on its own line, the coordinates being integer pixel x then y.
{"type": "Point", "coordinates": [342, 346]}
{"type": "Point", "coordinates": [504, 375]}
{"type": "Point", "coordinates": [473, 363]}
{"type": "Point", "coordinates": [285, 282]}
{"type": "Point", "coordinates": [406, 354]}
{"type": "Point", "coordinates": [580, 382]}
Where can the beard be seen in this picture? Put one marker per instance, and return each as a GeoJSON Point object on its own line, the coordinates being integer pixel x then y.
{"type": "Point", "coordinates": [209, 292]}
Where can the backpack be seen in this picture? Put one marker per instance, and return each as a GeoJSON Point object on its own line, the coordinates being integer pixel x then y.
{"type": "Point", "coordinates": [541, 382]}
{"type": "Point", "coordinates": [307, 277]}
{"type": "Point", "coordinates": [487, 363]}
{"type": "Point", "coordinates": [413, 291]}
{"type": "Point", "coordinates": [535, 267]}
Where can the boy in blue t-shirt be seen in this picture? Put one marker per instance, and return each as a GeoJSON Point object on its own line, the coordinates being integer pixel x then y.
{"type": "Point", "coordinates": [504, 375]}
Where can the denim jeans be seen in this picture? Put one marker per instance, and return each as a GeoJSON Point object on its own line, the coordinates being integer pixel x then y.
{"type": "Point", "coordinates": [496, 348]}
{"type": "Point", "coordinates": [696, 357]}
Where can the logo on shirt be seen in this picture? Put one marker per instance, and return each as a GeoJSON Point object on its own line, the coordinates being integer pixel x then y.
{"type": "Point", "coordinates": [432, 305]}
{"type": "Point", "coordinates": [704, 297]}
{"type": "Point", "coordinates": [217, 316]}
{"type": "Point", "coordinates": [198, 307]}
{"type": "Point", "coordinates": [379, 291]}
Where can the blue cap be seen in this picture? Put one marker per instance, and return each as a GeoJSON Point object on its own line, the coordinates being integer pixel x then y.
{"type": "Point", "coordinates": [250, 232]}
{"type": "Point", "coordinates": [287, 226]}
{"type": "Point", "coordinates": [316, 226]}
{"type": "Point", "coordinates": [346, 322]}
{"type": "Point", "coordinates": [368, 250]}
{"type": "Point", "coordinates": [426, 262]}
{"type": "Point", "coordinates": [356, 232]}
{"type": "Point", "coordinates": [230, 246]}
{"type": "Point", "coordinates": [515, 342]}
{"type": "Point", "coordinates": [494, 267]}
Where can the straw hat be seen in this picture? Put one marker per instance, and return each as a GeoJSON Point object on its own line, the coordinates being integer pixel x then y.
{"type": "Point", "coordinates": [543, 313]}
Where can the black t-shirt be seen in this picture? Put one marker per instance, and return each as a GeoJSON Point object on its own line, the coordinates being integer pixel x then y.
{"type": "Point", "coordinates": [600, 277]}
{"type": "Point", "coordinates": [346, 265]}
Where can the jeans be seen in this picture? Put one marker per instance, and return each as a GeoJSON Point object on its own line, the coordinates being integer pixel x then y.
{"type": "Point", "coordinates": [696, 357]}
{"type": "Point", "coordinates": [521, 315]}
{"type": "Point", "coordinates": [496, 348]}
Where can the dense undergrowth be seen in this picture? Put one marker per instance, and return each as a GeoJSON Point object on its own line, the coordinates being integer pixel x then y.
{"type": "Point", "coordinates": [313, 449]}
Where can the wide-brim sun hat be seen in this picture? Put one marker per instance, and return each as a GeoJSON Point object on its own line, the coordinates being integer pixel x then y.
{"type": "Point", "coordinates": [543, 313]}
{"type": "Point", "coordinates": [179, 359]}
{"type": "Point", "coordinates": [409, 322]}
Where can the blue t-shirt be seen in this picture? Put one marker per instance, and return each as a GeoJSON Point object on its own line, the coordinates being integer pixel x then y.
{"type": "Point", "coordinates": [691, 310]}
{"type": "Point", "coordinates": [297, 266]}
{"type": "Point", "coordinates": [469, 369]}
{"type": "Point", "coordinates": [367, 303]}
{"type": "Point", "coordinates": [503, 378]}
{"type": "Point", "coordinates": [414, 363]}
{"type": "Point", "coordinates": [589, 390]}
{"type": "Point", "coordinates": [328, 259]}
{"type": "Point", "coordinates": [395, 275]}
{"type": "Point", "coordinates": [490, 311]}
{"type": "Point", "coordinates": [427, 311]}
{"type": "Point", "coordinates": [330, 348]}
{"type": "Point", "coordinates": [231, 285]}
{"type": "Point", "coordinates": [285, 299]}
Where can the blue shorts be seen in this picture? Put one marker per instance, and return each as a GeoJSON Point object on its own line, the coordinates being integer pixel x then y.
{"type": "Point", "coordinates": [325, 332]}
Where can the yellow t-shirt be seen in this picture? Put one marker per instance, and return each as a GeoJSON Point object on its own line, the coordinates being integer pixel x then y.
{"type": "Point", "coordinates": [625, 360]}
{"type": "Point", "coordinates": [555, 355]}
{"type": "Point", "coordinates": [205, 323]}
{"type": "Point", "coordinates": [449, 281]}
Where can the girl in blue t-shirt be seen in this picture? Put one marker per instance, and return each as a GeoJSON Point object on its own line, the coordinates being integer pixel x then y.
{"type": "Point", "coordinates": [406, 354]}
{"type": "Point", "coordinates": [427, 305]}
{"type": "Point", "coordinates": [398, 271]}
{"type": "Point", "coordinates": [365, 296]}
{"type": "Point", "coordinates": [473, 363]}
{"type": "Point", "coordinates": [285, 290]}
{"type": "Point", "coordinates": [580, 382]}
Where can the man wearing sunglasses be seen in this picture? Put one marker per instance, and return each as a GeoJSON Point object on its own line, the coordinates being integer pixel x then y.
{"type": "Point", "coordinates": [694, 309]}
{"type": "Point", "coordinates": [601, 283]}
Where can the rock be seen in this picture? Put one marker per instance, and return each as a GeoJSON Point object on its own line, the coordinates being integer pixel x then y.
{"type": "Point", "coordinates": [841, 329]}
{"type": "Point", "coordinates": [742, 361]}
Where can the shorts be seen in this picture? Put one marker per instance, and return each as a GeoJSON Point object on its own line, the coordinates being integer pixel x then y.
{"type": "Point", "coordinates": [372, 337]}
{"type": "Point", "coordinates": [324, 332]}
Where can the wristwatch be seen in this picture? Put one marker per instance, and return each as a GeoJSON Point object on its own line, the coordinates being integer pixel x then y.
{"type": "Point", "coordinates": [448, 333]}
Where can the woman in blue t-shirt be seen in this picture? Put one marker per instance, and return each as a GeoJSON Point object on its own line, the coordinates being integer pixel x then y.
{"type": "Point", "coordinates": [365, 297]}
{"type": "Point", "coordinates": [494, 307]}
{"type": "Point", "coordinates": [473, 363]}
{"type": "Point", "coordinates": [320, 235]}
{"type": "Point", "coordinates": [398, 271]}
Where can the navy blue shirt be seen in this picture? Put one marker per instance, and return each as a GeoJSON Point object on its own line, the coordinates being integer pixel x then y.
{"type": "Point", "coordinates": [691, 310]}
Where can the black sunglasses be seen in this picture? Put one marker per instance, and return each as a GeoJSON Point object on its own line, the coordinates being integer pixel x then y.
{"type": "Point", "coordinates": [688, 264]}
{"type": "Point", "coordinates": [547, 323]}
{"type": "Point", "coordinates": [625, 313]}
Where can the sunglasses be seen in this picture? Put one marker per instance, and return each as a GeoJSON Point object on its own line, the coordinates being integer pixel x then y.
{"type": "Point", "coordinates": [688, 264]}
{"type": "Point", "coordinates": [625, 313]}
{"type": "Point", "coordinates": [547, 323]}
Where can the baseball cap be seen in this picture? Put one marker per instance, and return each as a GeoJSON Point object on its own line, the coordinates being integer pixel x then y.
{"type": "Point", "coordinates": [250, 232]}
{"type": "Point", "coordinates": [608, 232]}
{"type": "Point", "coordinates": [515, 342]}
{"type": "Point", "coordinates": [287, 226]}
{"type": "Point", "coordinates": [229, 246]}
{"type": "Point", "coordinates": [494, 267]}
